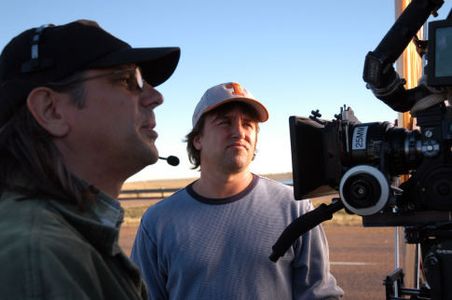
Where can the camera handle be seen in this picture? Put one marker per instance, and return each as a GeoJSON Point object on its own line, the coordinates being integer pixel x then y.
{"type": "Point", "coordinates": [379, 74]}
{"type": "Point", "coordinates": [302, 225]}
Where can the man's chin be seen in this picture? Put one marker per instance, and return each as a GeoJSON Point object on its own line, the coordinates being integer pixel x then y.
{"type": "Point", "coordinates": [239, 165]}
{"type": "Point", "coordinates": [147, 158]}
{"type": "Point", "coordinates": [153, 157]}
{"type": "Point", "coordinates": [152, 154]}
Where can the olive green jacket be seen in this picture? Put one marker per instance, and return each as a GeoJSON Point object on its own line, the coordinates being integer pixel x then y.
{"type": "Point", "coordinates": [51, 250]}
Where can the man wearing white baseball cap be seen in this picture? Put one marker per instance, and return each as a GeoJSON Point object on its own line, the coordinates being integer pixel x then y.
{"type": "Point", "coordinates": [211, 240]}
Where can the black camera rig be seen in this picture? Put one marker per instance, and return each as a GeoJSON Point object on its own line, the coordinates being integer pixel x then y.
{"type": "Point", "coordinates": [363, 161]}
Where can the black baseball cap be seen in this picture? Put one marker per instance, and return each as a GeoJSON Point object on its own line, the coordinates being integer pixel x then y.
{"type": "Point", "coordinates": [51, 53]}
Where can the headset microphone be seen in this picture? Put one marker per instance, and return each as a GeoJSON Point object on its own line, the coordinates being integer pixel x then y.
{"type": "Point", "coordinates": [171, 160]}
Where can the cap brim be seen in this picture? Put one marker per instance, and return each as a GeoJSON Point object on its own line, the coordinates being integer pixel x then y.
{"type": "Point", "coordinates": [157, 64]}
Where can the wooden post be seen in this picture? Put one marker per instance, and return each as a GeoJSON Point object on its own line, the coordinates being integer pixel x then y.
{"type": "Point", "coordinates": [409, 67]}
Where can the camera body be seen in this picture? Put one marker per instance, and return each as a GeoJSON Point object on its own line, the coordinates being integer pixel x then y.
{"type": "Point", "coordinates": [363, 162]}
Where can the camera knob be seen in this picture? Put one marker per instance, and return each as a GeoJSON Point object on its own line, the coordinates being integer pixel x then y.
{"type": "Point", "coordinates": [364, 190]}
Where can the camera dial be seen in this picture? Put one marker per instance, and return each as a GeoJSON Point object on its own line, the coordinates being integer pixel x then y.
{"type": "Point", "coordinates": [364, 190]}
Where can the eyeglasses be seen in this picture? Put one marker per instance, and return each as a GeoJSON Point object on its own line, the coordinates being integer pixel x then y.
{"type": "Point", "coordinates": [132, 78]}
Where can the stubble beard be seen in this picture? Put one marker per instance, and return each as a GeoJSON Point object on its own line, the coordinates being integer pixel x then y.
{"type": "Point", "coordinates": [236, 161]}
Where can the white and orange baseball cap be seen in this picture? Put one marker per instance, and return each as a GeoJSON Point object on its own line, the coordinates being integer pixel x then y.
{"type": "Point", "coordinates": [224, 93]}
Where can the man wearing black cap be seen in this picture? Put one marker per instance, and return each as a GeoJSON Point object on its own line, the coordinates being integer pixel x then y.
{"type": "Point", "coordinates": [76, 120]}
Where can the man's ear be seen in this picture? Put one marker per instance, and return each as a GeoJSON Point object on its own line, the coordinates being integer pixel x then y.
{"type": "Point", "coordinates": [197, 142]}
{"type": "Point", "coordinates": [46, 107]}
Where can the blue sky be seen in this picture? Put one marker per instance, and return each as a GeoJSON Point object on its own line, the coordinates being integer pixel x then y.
{"type": "Point", "coordinates": [293, 55]}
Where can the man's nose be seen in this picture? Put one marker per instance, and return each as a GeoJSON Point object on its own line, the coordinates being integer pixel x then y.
{"type": "Point", "coordinates": [150, 96]}
{"type": "Point", "coordinates": [237, 129]}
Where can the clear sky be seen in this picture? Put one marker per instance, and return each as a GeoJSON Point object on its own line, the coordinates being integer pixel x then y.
{"type": "Point", "coordinates": [293, 55]}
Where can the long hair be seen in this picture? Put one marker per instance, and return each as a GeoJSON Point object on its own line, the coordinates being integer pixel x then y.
{"type": "Point", "coordinates": [194, 155]}
{"type": "Point", "coordinates": [32, 165]}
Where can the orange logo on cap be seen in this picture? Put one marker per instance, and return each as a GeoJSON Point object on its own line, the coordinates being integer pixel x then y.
{"type": "Point", "coordinates": [237, 89]}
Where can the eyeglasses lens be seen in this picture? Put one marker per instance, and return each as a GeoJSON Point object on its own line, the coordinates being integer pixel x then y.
{"type": "Point", "coordinates": [139, 79]}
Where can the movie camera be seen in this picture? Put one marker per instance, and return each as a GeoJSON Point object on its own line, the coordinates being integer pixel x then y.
{"type": "Point", "coordinates": [363, 162]}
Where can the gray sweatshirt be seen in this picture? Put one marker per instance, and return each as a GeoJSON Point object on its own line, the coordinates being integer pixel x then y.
{"type": "Point", "coordinates": [191, 247]}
